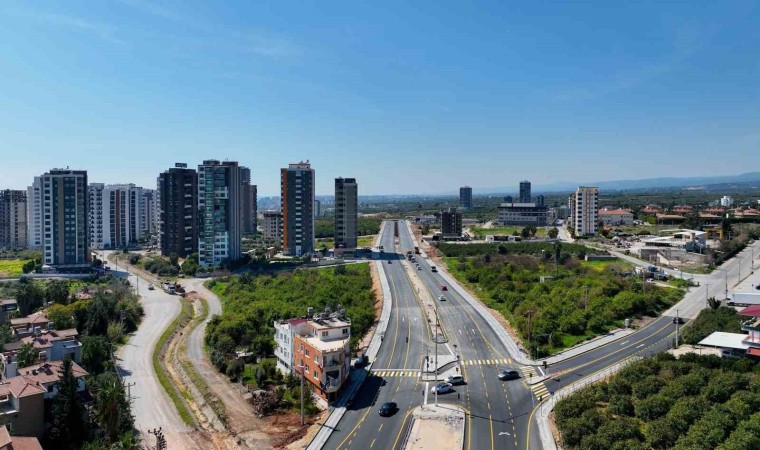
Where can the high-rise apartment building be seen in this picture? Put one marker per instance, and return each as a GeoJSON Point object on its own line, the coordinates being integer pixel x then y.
{"type": "Point", "coordinates": [220, 230]}
{"type": "Point", "coordinates": [178, 211]}
{"type": "Point", "coordinates": [272, 227]}
{"type": "Point", "coordinates": [346, 213]}
{"type": "Point", "coordinates": [34, 213]}
{"type": "Point", "coordinates": [540, 200]}
{"type": "Point", "coordinates": [247, 201]}
{"type": "Point", "coordinates": [584, 211]}
{"type": "Point", "coordinates": [13, 219]}
{"type": "Point", "coordinates": [465, 197]}
{"type": "Point", "coordinates": [119, 215]}
{"type": "Point", "coordinates": [254, 207]}
{"type": "Point", "coordinates": [525, 192]}
{"type": "Point", "coordinates": [297, 206]}
{"type": "Point", "coordinates": [65, 237]}
{"type": "Point", "coordinates": [317, 209]}
{"type": "Point", "coordinates": [451, 223]}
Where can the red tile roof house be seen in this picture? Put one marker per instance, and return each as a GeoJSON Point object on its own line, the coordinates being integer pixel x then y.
{"type": "Point", "coordinates": [8, 442]}
{"type": "Point", "coordinates": [22, 398]}
{"type": "Point", "coordinates": [25, 326]}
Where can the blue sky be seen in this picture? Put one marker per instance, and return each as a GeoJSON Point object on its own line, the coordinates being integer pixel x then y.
{"type": "Point", "coordinates": [408, 97]}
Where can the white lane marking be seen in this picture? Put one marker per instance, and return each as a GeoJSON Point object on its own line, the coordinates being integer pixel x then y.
{"type": "Point", "coordinates": [624, 342]}
{"type": "Point", "coordinates": [503, 433]}
{"type": "Point", "coordinates": [460, 331]}
{"type": "Point", "coordinates": [640, 345]}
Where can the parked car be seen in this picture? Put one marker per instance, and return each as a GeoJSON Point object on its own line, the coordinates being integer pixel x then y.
{"type": "Point", "coordinates": [151, 287]}
{"type": "Point", "coordinates": [418, 267]}
{"type": "Point", "coordinates": [505, 375]}
{"type": "Point", "coordinates": [441, 298]}
{"type": "Point", "coordinates": [443, 388]}
{"type": "Point", "coordinates": [388, 409]}
{"type": "Point", "coordinates": [361, 361]}
{"type": "Point", "coordinates": [433, 269]}
{"type": "Point", "coordinates": [444, 288]}
{"type": "Point", "coordinates": [455, 379]}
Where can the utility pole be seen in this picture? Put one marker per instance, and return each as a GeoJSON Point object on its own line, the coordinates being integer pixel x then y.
{"type": "Point", "coordinates": [436, 358]}
{"type": "Point", "coordinates": [726, 272]}
{"type": "Point", "coordinates": [677, 328]}
{"type": "Point", "coordinates": [302, 376]}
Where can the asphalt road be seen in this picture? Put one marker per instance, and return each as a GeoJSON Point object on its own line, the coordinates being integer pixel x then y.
{"type": "Point", "coordinates": [499, 411]}
{"type": "Point", "coordinates": [361, 426]}
{"type": "Point", "coordinates": [151, 407]}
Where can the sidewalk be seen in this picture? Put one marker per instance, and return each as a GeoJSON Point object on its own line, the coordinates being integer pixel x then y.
{"type": "Point", "coordinates": [436, 428]}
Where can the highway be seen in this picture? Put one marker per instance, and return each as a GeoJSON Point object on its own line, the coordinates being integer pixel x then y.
{"type": "Point", "coordinates": [499, 410]}
{"type": "Point", "coordinates": [361, 426]}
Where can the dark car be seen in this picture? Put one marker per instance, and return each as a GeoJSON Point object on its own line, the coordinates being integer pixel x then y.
{"type": "Point", "coordinates": [388, 409]}
{"type": "Point", "coordinates": [444, 288]}
{"type": "Point", "coordinates": [509, 375]}
{"type": "Point", "coordinates": [361, 361]}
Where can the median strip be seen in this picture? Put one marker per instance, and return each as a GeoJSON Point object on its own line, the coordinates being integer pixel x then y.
{"type": "Point", "coordinates": [161, 373]}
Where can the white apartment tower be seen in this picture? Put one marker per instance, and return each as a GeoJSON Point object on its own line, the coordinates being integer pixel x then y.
{"type": "Point", "coordinates": [34, 213]}
{"type": "Point", "coordinates": [119, 215]}
{"type": "Point", "coordinates": [584, 211]}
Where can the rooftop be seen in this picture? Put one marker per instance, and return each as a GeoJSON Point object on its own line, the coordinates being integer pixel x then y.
{"type": "Point", "coordinates": [614, 212]}
{"type": "Point", "coordinates": [725, 340]}
{"type": "Point", "coordinates": [49, 372]}
{"type": "Point", "coordinates": [327, 346]}
{"type": "Point", "coordinates": [31, 319]}
{"type": "Point", "coordinates": [327, 323]}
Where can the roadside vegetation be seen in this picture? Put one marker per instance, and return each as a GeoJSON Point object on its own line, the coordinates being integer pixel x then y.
{"type": "Point", "coordinates": [325, 227]}
{"type": "Point", "coordinates": [693, 403]}
{"type": "Point", "coordinates": [481, 232]}
{"type": "Point", "coordinates": [251, 304]}
{"type": "Point", "coordinates": [509, 248]}
{"type": "Point", "coordinates": [716, 318]}
{"type": "Point", "coordinates": [577, 299]}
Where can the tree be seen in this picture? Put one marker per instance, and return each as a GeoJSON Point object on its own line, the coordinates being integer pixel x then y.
{"type": "Point", "coordinates": [525, 233]}
{"type": "Point", "coordinates": [28, 295]}
{"type": "Point", "coordinates": [553, 233]}
{"type": "Point", "coordinates": [60, 315]}
{"type": "Point", "coordinates": [726, 227]}
{"type": "Point", "coordinates": [95, 355]}
{"type": "Point", "coordinates": [713, 303]}
{"type": "Point", "coordinates": [28, 266]}
{"type": "Point", "coordinates": [68, 429]}
{"type": "Point", "coordinates": [111, 411]}
{"type": "Point", "coordinates": [236, 368]}
{"type": "Point", "coordinates": [27, 355]}
{"type": "Point", "coordinates": [115, 332]}
{"type": "Point", "coordinates": [57, 291]}
{"type": "Point", "coordinates": [174, 260]}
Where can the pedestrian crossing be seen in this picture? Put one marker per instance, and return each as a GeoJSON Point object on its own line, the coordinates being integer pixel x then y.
{"type": "Point", "coordinates": [529, 372]}
{"type": "Point", "coordinates": [539, 390]}
{"type": "Point", "coordinates": [395, 373]}
{"type": "Point", "coordinates": [486, 362]}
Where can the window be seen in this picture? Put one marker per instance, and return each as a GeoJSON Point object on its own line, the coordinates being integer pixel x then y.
{"type": "Point", "coordinates": [324, 334]}
{"type": "Point", "coordinates": [345, 331]}
{"type": "Point", "coordinates": [315, 375]}
{"type": "Point", "coordinates": [307, 352]}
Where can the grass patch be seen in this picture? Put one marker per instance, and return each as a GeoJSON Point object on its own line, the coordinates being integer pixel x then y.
{"type": "Point", "coordinates": [603, 265]}
{"type": "Point", "coordinates": [161, 373]}
{"type": "Point", "coordinates": [11, 267]}
{"type": "Point", "coordinates": [505, 231]}
{"type": "Point", "coordinates": [366, 241]}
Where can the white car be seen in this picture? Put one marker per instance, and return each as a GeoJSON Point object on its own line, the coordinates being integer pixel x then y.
{"type": "Point", "coordinates": [151, 287]}
{"type": "Point", "coordinates": [441, 298]}
{"type": "Point", "coordinates": [443, 388]}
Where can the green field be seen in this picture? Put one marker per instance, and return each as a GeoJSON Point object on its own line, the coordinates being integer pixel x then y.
{"type": "Point", "coordinates": [363, 241]}
{"type": "Point", "coordinates": [11, 267]}
{"type": "Point", "coordinates": [504, 231]}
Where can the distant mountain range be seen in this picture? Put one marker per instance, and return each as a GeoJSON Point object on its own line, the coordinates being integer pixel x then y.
{"type": "Point", "coordinates": [645, 184]}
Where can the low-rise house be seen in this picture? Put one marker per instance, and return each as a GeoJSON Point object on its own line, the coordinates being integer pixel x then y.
{"type": "Point", "coordinates": [615, 217]}
{"type": "Point", "coordinates": [22, 406]}
{"type": "Point", "coordinates": [26, 326]}
{"type": "Point", "coordinates": [283, 339]}
{"type": "Point", "coordinates": [651, 209]}
{"type": "Point", "coordinates": [322, 353]}
{"type": "Point", "coordinates": [8, 442]}
{"type": "Point", "coordinates": [48, 374]}
{"type": "Point", "coordinates": [7, 306]}
{"type": "Point", "coordinates": [51, 345]}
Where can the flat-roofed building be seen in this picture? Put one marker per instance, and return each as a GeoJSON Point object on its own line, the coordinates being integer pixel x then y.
{"type": "Point", "coordinates": [322, 353]}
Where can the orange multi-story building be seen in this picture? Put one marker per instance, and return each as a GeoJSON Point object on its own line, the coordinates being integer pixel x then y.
{"type": "Point", "coordinates": [322, 353]}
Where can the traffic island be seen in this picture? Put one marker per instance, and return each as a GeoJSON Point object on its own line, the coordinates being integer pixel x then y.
{"type": "Point", "coordinates": [439, 427]}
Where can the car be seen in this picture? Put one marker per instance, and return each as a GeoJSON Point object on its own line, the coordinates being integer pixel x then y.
{"type": "Point", "coordinates": [433, 269]}
{"type": "Point", "coordinates": [455, 379]}
{"type": "Point", "coordinates": [444, 288]}
{"type": "Point", "coordinates": [509, 375]}
{"type": "Point", "coordinates": [757, 287]}
{"type": "Point", "coordinates": [443, 388]}
{"type": "Point", "coordinates": [441, 298]}
{"type": "Point", "coordinates": [151, 287]}
{"type": "Point", "coordinates": [388, 409]}
{"type": "Point", "coordinates": [418, 267]}
{"type": "Point", "coordinates": [390, 262]}
{"type": "Point", "coordinates": [361, 361]}
{"type": "Point", "coordinates": [678, 320]}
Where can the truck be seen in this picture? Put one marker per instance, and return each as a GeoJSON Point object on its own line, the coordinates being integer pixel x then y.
{"type": "Point", "coordinates": [743, 299]}
{"type": "Point", "coordinates": [169, 288]}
